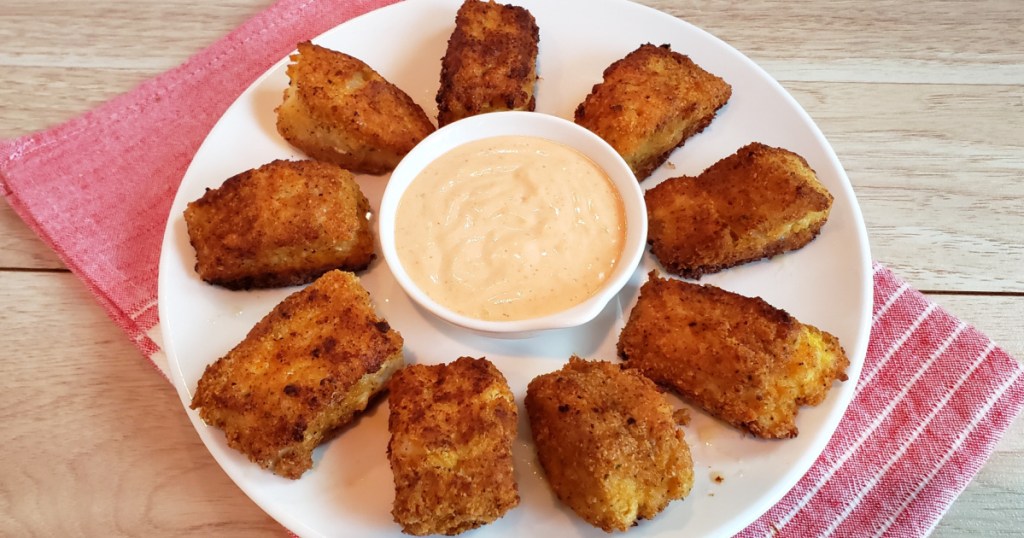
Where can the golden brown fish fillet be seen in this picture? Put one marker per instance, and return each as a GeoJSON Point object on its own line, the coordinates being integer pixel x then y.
{"type": "Point", "coordinates": [649, 103]}
{"type": "Point", "coordinates": [608, 443]}
{"type": "Point", "coordinates": [491, 62]}
{"type": "Point", "coordinates": [757, 203]}
{"type": "Point", "coordinates": [337, 109]}
{"type": "Point", "coordinates": [282, 224]}
{"type": "Point", "coordinates": [741, 359]}
{"type": "Point", "coordinates": [451, 446]}
{"type": "Point", "coordinates": [301, 373]}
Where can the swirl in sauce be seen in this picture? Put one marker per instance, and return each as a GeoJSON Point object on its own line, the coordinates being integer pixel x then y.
{"type": "Point", "coordinates": [510, 227]}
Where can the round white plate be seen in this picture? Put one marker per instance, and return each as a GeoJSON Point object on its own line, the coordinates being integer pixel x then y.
{"type": "Point", "coordinates": [349, 490]}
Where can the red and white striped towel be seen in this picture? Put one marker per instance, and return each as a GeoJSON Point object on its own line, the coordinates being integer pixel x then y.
{"type": "Point", "coordinates": [934, 398]}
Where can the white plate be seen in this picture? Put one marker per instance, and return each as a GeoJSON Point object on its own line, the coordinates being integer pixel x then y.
{"type": "Point", "coordinates": [349, 490]}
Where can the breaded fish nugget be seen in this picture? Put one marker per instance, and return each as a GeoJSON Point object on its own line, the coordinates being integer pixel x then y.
{"type": "Point", "coordinates": [451, 446]}
{"type": "Point", "coordinates": [491, 62]}
{"type": "Point", "coordinates": [757, 203]}
{"type": "Point", "coordinates": [741, 359]}
{"type": "Point", "coordinates": [608, 443]}
{"type": "Point", "coordinates": [282, 224]}
{"type": "Point", "coordinates": [301, 373]}
{"type": "Point", "coordinates": [649, 103]}
{"type": "Point", "coordinates": [337, 109]}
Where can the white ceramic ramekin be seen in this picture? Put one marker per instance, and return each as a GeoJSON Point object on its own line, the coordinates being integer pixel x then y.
{"type": "Point", "coordinates": [518, 124]}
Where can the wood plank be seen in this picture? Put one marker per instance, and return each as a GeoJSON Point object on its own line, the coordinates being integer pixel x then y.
{"type": "Point", "coordinates": [931, 42]}
{"type": "Point", "coordinates": [19, 246]}
{"type": "Point", "coordinates": [937, 170]}
{"type": "Point", "coordinates": [998, 317]}
{"type": "Point", "coordinates": [61, 59]}
{"type": "Point", "coordinates": [991, 504]}
{"type": "Point", "coordinates": [843, 40]}
{"type": "Point", "coordinates": [121, 34]}
{"type": "Point", "coordinates": [58, 94]}
{"type": "Point", "coordinates": [108, 448]}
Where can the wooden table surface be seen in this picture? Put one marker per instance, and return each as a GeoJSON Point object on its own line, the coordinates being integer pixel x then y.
{"type": "Point", "coordinates": [923, 102]}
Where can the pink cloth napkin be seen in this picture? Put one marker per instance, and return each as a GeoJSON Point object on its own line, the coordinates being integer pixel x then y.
{"type": "Point", "coordinates": [98, 188]}
{"type": "Point", "coordinates": [934, 398]}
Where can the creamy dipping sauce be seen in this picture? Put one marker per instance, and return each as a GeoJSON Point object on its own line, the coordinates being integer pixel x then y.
{"type": "Point", "coordinates": [510, 227]}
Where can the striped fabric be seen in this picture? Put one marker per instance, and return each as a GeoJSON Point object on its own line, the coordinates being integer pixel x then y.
{"type": "Point", "coordinates": [934, 397]}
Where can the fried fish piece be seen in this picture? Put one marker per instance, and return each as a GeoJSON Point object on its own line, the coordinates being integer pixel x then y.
{"type": "Point", "coordinates": [491, 62]}
{"type": "Point", "coordinates": [608, 443]}
{"type": "Point", "coordinates": [742, 360]}
{"type": "Point", "coordinates": [757, 203]}
{"type": "Point", "coordinates": [301, 373]}
{"type": "Point", "coordinates": [338, 109]}
{"type": "Point", "coordinates": [649, 103]}
{"type": "Point", "coordinates": [451, 428]}
{"type": "Point", "coordinates": [282, 224]}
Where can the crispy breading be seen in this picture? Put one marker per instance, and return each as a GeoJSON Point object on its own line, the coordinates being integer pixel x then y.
{"type": "Point", "coordinates": [282, 224]}
{"type": "Point", "coordinates": [757, 203]}
{"type": "Point", "coordinates": [608, 443]}
{"type": "Point", "coordinates": [649, 103]}
{"type": "Point", "coordinates": [451, 446]}
{"type": "Point", "coordinates": [742, 360]}
{"type": "Point", "coordinates": [491, 62]}
{"type": "Point", "coordinates": [301, 373]}
{"type": "Point", "coordinates": [338, 109]}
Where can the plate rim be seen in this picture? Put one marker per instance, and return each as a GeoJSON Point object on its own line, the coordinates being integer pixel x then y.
{"type": "Point", "coordinates": [857, 352]}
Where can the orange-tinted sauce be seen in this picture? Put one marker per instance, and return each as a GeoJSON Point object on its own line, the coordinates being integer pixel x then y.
{"type": "Point", "coordinates": [510, 228]}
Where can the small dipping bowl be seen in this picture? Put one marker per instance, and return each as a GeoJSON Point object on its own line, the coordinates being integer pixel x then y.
{"type": "Point", "coordinates": [530, 124]}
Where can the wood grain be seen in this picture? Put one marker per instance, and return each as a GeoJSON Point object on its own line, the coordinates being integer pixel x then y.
{"type": "Point", "coordinates": [936, 169]}
{"type": "Point", "coordinates": [19, 246]}
{"type": "Point", "coordinates": [999, 317]}
{"type": "Point", "coordinates": [96, 440]}
{"type": "Point", "coordinates": [922, 101]}
{"type": "Point", "coordinates": [991, 504]}
{"type": "Point", "coordinates": [930, 42]}
{"type": "Point", "coordinates": [59, 93]}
